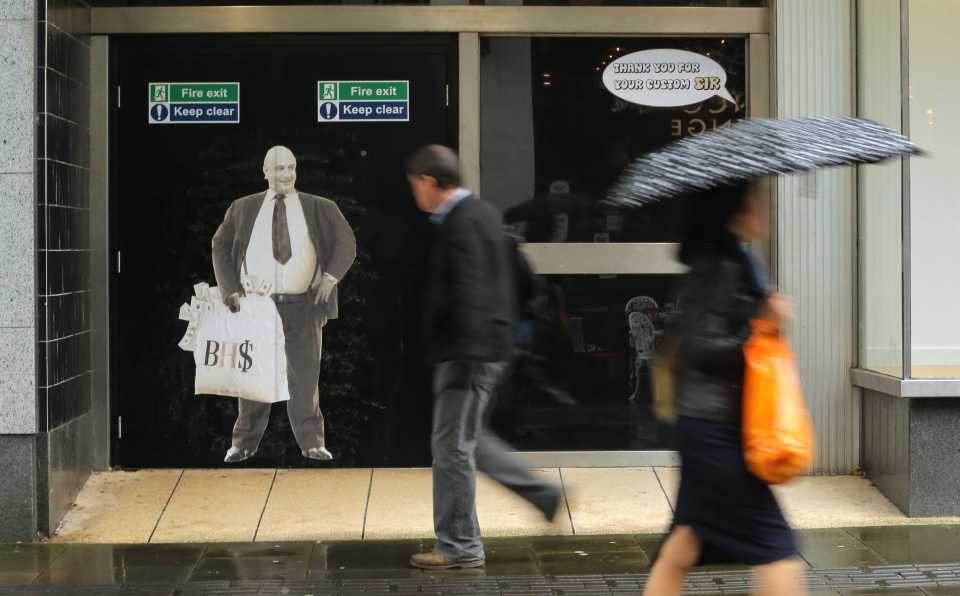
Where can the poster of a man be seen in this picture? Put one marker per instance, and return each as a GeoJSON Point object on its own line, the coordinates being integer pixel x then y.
{"type": "Point", "coordinates": [302, 245]}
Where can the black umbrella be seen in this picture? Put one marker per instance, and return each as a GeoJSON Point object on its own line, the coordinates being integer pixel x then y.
{"type": "Point", "coordinates": [754, 149]}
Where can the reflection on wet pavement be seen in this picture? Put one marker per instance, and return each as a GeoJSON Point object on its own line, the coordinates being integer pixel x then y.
{"type": "Point", "coordinates": [548, 556]}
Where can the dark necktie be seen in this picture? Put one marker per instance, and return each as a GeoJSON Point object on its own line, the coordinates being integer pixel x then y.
{"type": "Point", "coordinates": [281, 233]}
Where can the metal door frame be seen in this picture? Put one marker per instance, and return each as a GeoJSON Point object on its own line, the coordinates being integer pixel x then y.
{"type": "Point", "coordinates": [469, 23]}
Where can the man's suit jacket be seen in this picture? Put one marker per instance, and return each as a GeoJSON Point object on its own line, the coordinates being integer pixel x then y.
{"type": "Point", "coordinates": [329, 231]}
{"type": "Point", "coordinates": [470, 301]}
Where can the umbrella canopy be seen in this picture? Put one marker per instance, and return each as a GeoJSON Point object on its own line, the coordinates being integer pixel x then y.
{"type": "Point", "coordinates": [754, 149]}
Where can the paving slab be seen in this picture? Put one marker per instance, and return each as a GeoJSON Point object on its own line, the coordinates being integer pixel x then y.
{"type": "Point", "coordinates": [836, 501]}
{"type": "Point", "coordinates": [503, 513]}
{"type": "Point", "coordinates": [670, 480]}
{"type": "Point", "coordinates": [118, 507]}
{"type": "Point", "coordinates": [306, 505]}
{"type": "Point", "coordinates": [614, 500]}
{"type": "Point", "coordinates": [215, 506]}
{"type": "Point", "coordinates": [834, 548]}
{"type": "Point", "coordinates": [400, 505]}
{"type": "Point", "coordinates": [911, 544]}
{"type": "Point", "coordinates": [87, 556]}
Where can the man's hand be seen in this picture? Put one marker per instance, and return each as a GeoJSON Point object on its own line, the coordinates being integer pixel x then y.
{"type": "Point", "coordinates": [233, 302]}
{"type": "Point", "coordinates": [325, 289]}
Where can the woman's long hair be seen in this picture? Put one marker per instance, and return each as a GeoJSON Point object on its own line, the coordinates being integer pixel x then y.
{"type": "Point", "coordinates": [706, 227]}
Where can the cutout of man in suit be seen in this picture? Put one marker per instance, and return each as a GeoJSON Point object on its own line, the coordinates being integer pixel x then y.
{"type": "Point", "coordinates": [303, 245]}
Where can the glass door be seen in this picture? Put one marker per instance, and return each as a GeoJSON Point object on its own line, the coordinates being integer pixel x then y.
{"type": "Point", "coordinates": [174, 181]}
{"type": "Point", "coordinates": [554, 138]}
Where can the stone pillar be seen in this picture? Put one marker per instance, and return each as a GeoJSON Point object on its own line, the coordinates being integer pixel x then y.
{"type": "Point", "coordinates": [18, 362]}
{"type": "Point", "coordinates": [46, 433]}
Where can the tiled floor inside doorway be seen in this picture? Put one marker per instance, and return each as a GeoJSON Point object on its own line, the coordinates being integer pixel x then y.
{"type": "Point", "coordinates": [266, 505]}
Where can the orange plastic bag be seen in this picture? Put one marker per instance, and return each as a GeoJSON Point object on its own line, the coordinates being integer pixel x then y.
{"type": "Point", "coordinates": [778, 435]}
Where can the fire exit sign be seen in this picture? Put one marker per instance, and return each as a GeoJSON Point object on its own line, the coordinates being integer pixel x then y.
{"type": "Point", "coordinates": [193, 103]}
{"type": "Point", "coordinates": [363, 101]}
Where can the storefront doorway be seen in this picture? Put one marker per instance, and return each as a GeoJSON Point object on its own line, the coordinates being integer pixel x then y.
{"type": "Point", "coordinates": [173, 182]}
{"type": "Point", "coordinates": [519, 92]}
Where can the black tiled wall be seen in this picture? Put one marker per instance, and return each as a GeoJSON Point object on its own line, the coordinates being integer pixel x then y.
{"type": "Point", "coordinates": [63, 212]}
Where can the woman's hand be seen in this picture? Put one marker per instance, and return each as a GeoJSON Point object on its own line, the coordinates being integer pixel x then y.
{"type": "Point", "coordinates": [778, 309]}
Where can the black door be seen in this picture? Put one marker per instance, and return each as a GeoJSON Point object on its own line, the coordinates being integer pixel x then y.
{"type": "Point", "coordinates": [171, 185]}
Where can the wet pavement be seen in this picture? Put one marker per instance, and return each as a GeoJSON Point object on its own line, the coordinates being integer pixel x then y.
{"type": "Point", "coordinates": [884, 560]}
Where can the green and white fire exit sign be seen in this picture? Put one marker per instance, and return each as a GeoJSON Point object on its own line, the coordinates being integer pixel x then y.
{"type": "Point", "coordinates": [363, 101]}
{"type": "Point", "coordinates": [193, 103]}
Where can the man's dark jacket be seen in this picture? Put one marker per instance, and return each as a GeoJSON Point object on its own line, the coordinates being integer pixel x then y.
{"type": "Point", "coordinates": [332, 238]}
{"type": "Point", "coordinates": [469, 298]}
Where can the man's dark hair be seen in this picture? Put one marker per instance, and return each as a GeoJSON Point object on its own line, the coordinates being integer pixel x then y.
{"type": "Point", "coordinates": [438, 162]}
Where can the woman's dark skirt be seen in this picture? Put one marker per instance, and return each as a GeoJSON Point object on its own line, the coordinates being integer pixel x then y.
{"type": "Point", "coordinates": [733, 512]}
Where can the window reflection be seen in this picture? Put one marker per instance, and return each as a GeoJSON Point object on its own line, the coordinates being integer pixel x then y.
{"type": "Point", "coordinates": [553, 139]}
{"type": "Point", "coordinates": [582, 379]}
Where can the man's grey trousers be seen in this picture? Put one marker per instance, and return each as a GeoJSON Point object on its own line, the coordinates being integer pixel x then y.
{"type": "Point", "coordinates": [462, 445]}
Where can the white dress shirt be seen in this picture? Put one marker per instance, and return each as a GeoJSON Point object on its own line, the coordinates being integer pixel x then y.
{"type": "Point", "coordinates": [295, 276]}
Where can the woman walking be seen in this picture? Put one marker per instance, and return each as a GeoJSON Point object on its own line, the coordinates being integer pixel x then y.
{"type": "Point", "coordinates": [724, 513]}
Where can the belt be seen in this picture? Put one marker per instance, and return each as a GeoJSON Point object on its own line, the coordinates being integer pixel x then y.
{"type": "Point", "coordinates": [290, 298]}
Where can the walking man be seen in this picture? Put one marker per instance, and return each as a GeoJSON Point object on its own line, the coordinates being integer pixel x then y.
{"type": "Point", "coordinates": [303, 246]}
{"type": "Point", "coordinates": [469, 317]}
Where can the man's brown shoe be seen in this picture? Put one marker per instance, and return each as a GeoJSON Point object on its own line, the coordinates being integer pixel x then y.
{"type": "Point", "coordinates": [435, 561]}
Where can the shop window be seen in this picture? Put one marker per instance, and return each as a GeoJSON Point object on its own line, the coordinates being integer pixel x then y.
{"type": "Point", "coordinates": [934, 207]}
{"type": "Point", "coordinates": [927, 195]}
{"type": "Point", "coordinates": [880, 206]}
{"type": "Point", "coordinates": [554, 138]}
{"type": "Point", "coordinates": [582, 379]}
